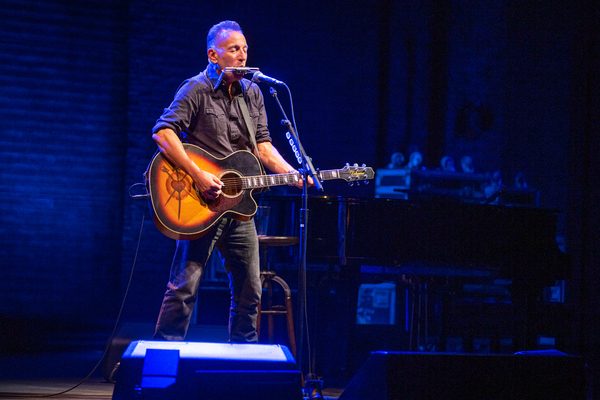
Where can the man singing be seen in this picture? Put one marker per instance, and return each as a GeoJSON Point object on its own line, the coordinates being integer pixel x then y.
{"type": "Point", "coordinates": [213, 119]}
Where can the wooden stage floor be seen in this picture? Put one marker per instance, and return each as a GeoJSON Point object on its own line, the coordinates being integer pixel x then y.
{"type": "Point", "coordinates": [93, 388]}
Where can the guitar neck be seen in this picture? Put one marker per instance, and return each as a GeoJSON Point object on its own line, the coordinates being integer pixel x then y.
{"type": "Point", "coordinates": [263, 181]}
{"type": "Point", "coordinates": [329, 174]}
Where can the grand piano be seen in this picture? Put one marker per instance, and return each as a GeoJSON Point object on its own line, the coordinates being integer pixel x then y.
{"type": "Point", "coordinates": [431, 244]}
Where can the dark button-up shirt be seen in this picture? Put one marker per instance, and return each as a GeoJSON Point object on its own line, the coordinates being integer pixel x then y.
{"type": "Point", "coordinates": [210, 119]}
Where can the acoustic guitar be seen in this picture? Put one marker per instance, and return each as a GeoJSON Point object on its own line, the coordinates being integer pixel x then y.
{"type": "Point", "coordinates": [181, 212]}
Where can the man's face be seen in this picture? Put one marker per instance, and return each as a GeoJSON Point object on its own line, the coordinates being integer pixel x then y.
{"type": "Point", "coordinates": [231, 51]}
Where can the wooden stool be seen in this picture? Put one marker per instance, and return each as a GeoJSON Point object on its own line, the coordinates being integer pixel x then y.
{"type": "Point", "coordinates": [267, 278]}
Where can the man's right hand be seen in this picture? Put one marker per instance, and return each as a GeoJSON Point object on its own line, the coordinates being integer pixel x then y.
{"type": "Point", "coordinates": [208, 185]}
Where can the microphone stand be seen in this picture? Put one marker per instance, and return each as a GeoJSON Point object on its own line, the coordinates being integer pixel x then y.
{"type": "Point", "coordinates": [306, 170]}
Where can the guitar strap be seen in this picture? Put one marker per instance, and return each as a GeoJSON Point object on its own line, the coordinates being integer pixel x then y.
{"type": "Point", "coordinates": [242, 103]}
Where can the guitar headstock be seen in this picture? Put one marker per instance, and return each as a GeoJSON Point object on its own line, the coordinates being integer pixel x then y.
{"type": "Point", "coordinates": [355, 173]}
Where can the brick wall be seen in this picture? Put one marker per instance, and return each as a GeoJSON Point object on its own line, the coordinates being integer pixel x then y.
{"type": "Point", "coordinates": [63, 72]}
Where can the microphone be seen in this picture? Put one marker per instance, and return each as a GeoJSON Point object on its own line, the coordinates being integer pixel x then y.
{"type": "Point", "coordinates": [260, 77]}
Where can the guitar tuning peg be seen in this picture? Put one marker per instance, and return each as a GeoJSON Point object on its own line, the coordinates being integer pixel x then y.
{"type": "Point", "coordinates": [366, 182]}
{"type": "Point", "coordinates": [350, 183]}
{"type": "Point", "coordinates": [356, 164]}
{"type": "Point", "coordinates": [364, 165]}
{"type": "Point", "coordinates": [347, 165]}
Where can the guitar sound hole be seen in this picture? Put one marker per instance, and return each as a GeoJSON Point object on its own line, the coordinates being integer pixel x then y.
{"type": "Point", "coordinates": [233, 184]}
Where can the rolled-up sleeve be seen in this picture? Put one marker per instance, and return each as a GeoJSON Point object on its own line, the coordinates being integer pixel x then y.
{"type": "Point", "coordinates": [179, 114]}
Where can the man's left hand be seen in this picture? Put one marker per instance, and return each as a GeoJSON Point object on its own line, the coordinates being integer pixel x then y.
{"type": "Point", "coordinates": [300, 183]}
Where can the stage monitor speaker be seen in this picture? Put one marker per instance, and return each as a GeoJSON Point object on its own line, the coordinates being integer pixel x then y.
{"type": "Point", "coordinates": [132, 331]}
{"type": "Point", "coordinates": [430, 376]}
{"type": "Point", "coordinates": [159, 370]}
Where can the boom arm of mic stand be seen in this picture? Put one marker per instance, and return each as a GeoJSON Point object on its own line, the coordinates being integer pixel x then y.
{"type": "Point", "coordinates": [307, 161]}
{"type": "Point", "coordinates": [308, 168]}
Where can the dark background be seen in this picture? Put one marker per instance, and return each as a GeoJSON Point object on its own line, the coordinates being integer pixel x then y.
{"type": "Point", "coordinates": [82, 84]}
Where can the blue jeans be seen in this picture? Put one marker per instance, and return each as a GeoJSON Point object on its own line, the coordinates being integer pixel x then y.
{"type": "Point", "coordinates": [238, 244]}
